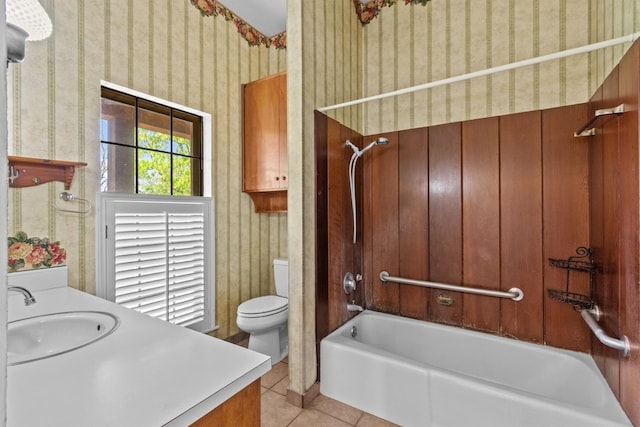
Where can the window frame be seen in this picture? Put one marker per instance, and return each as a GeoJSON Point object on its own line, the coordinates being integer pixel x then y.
{"type": "Point", "coordinates": [206, 155]}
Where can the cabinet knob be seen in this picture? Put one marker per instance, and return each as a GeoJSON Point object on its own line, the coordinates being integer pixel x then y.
{"type": "Point", "coordinates": [284, 178]}
{"type": "Point", "coordinates": [277, 178]}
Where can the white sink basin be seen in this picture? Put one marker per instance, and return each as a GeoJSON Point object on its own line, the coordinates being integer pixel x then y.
{"type": "Point", "coordinates": [49, 335]}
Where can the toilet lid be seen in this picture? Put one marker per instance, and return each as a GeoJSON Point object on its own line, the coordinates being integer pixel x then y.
{"type": "Point", "coordinates": [263, 306]}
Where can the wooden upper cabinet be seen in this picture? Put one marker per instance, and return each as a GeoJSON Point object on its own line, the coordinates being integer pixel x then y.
{"type": "Point", "coordinates": [264, 153]}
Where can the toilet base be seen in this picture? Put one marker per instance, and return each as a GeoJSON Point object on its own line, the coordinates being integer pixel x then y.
{"type": "Point", "coordinates": [273, 343]}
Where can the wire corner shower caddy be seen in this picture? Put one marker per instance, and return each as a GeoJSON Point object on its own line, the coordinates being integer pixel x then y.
{"type": "Point", "coordinates": [581, 262]}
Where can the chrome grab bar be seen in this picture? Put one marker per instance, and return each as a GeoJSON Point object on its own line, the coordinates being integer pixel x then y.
{"type": "Point", "coordinates": [591, 317]}
{"type": "Point", "coordinates": [515, 294]}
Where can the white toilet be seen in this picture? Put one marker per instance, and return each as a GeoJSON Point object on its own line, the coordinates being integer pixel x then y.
{"type": "Point", "coordinates": [265, 318]}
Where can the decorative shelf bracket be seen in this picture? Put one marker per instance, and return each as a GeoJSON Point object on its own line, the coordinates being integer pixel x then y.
{"type": "Point", "coordinates": [27, 171]}
{"type": "Point", "coordinates": [587, 130]}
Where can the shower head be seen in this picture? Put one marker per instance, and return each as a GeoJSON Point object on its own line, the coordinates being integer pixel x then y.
{"type": "Point", "coordinates": [378, 141]}
{"type": "Point", "coordinates": [357, 153]}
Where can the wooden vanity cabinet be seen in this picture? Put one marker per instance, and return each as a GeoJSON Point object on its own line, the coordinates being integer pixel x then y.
{"type": "Point", "coordinates": [241, 410]}
{"type": "Point", "coordinates": [264, 148]}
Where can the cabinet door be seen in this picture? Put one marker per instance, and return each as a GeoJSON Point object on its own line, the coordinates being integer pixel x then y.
{"type": "Point", "coordinates": [282, 108]}
{"type": "Point", "coordinates": [263, 134]}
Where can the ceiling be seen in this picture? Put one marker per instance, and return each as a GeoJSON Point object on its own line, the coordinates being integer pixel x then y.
{"type": "Point", "coordinates": [267, 16]}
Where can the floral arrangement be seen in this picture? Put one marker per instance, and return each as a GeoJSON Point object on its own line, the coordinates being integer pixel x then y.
{"type": "Point", "coordinates": [250, 34]}
{"type": "Point", "coordinates": [29, 253]}
{"type": "Point", "coordinates": [369, 10]}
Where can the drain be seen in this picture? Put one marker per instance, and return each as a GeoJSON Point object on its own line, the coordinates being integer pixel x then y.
{"type": "Point", "coordinates": [354, 332]}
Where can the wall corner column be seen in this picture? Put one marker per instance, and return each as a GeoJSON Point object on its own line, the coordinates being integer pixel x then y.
{"type": "Point", "coordinates": [301, 215]}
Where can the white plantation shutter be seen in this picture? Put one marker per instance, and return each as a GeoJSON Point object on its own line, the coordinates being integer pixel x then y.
{"type": "Point", "coordinates": [158, 256]}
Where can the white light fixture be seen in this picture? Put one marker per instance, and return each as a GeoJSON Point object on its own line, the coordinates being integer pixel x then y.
{"type": "Point", "coordinates": [26, 20]}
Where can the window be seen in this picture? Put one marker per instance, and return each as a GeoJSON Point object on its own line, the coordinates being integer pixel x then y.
{"type": "Point", "coordinates": [148, 147]}
{"type": "Point", "coordinates": [155, 250]}
{"type": "Point", "coordinates": [155, 256]}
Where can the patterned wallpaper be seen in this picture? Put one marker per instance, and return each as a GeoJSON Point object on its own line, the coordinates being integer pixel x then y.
{"type": "Point", "coordinates": [609, 19]}
{"type": "Point", "coordinates": [166, 49]}
{"type": "Point", "coordinates": [324, 62]}
{"type": "Point", "coordinates": [410, 45]}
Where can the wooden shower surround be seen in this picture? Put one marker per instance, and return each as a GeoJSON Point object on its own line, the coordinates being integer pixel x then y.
{"type": "Point", "coordinates": [491, 200]}
{"type": "Point", "coordinates": [479, 203]}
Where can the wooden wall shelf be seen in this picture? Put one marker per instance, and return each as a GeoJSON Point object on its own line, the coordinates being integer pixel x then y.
{"type": "Point", "coordinates": [28, 171]}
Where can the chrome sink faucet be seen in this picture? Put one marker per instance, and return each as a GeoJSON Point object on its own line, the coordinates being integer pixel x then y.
{"type": "Point", "coordinates": [28, 298]}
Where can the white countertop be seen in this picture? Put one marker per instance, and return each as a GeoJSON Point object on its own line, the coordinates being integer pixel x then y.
{"type": "Point", "coordinates": [146, 373]}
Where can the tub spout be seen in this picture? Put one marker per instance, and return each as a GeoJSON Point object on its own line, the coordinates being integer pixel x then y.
{"type": "Point", "coordinates": [352, 306]}
{"type": "Point", "coordinates": [28, 298]}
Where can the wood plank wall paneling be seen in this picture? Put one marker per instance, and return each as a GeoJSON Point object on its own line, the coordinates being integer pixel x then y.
{"type": "Point", "coordinates": [565, 219]}
{"type": "Point", "coordinates": [521, 223]}
{"type": "Point", "coordinates": [381, 186]}
{"type": "Point", "coordinates": [367, 237]}
{"type": "Point", "coordinates": [610, 268]}
{"type": "Point", "coordinates": [336, 254]}
{"type": "Point", "coordinates": [614, 227]}
{"type": "Point", "coordinates": [354, 250]}
{"type": "Point", "coordinates": [481, 203]}
{"type": "Point", "coordinates": [322, 228]}
{"type": "Point", "coordinates": [481, 220]}
{"type": "Point", "coordinates": [351, 253]}
{"type": "Point", "coordinates": [413, 218]}
{"type": "Point", "coordinates": [445, 218]}
{"type": "Point", "coordinates": [340, 255]}
{"type": "Point", "coordinates": [629, 297]}
{"type": "Point", "coordinates": [596, 216]}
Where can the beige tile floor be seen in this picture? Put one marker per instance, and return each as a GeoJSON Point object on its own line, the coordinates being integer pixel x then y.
{"type": "Point", "coordinates": [322, 412]}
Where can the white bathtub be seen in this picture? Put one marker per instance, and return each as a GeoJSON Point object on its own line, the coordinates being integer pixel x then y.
{"type": "Point", "coordinates": [417, 373]}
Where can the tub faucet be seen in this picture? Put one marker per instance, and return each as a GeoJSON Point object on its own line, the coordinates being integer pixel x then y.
{"type": "Point", "coordinates": [353, 307]}
{"type": "Point", "coordinates": [28, 298]}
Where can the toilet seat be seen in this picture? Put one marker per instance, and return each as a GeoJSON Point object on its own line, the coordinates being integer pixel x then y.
{"type": "Point", "coordinates": [263, 306]}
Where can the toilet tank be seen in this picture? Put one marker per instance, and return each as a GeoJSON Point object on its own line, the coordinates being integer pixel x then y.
{"type": "Point", "coordinates": [281, 275]}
